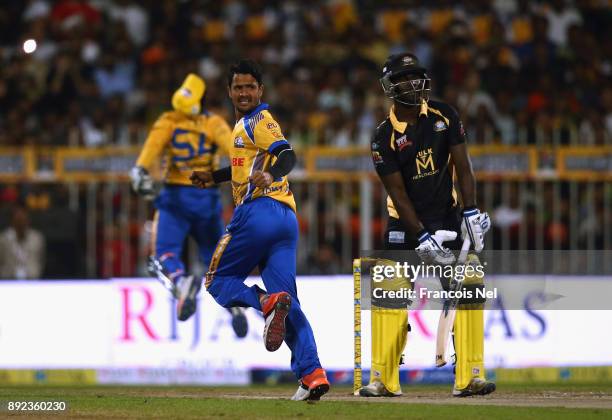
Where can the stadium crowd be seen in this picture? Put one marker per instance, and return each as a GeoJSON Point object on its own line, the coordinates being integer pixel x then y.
{"type": "Point", "coordinates": [98, 72]}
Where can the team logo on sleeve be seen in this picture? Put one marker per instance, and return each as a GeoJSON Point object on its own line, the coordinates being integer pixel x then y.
{"type": "Point", "coordinates": [238, 143]}
{"type": "Point", "coordinates": [440, 126]}
{"type": "Point", "coordinates": [377, 158]}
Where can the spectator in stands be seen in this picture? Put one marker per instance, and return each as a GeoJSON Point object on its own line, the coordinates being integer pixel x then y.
{"type": "Point", "coordinates": [526, 72]}
{"type": "Point", "coordinates": [22, 249]}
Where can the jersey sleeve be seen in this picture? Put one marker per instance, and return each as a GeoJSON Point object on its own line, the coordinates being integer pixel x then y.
{"type": "Point", "coordinates": [456, 131]}
{"type": "Point", "coordinates": [222, 134]}
{"type": "Point", "coordinates": [268, 135]}
{"type": "Point", "coordinates": [384, 158]}
{"type": "Point", "coordinates": [154, 145]}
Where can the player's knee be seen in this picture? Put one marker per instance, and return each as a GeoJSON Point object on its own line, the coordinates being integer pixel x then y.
{"type": "Point", "coordinates": [214, 288]}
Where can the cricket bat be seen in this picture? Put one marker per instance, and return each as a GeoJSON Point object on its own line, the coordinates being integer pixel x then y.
{"type": "Point", "coordinates": [447, 317]}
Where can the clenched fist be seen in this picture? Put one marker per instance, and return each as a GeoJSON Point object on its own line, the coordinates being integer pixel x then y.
{"type": "Point", "coordinates": [202, 179]}
{"type": "Point", "coordinates": [261, 179]}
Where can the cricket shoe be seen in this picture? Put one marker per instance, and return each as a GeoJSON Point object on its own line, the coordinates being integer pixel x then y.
{"type": "Point", "coordinates": [275, 308]}
{"type": "Point", "coordinates": [239, 322]}
{"type": "Point", "coordinates": [312, 386]}
{"type": "Point", "coordinates": [188, 288]}
{"type": "Point", "coordinates": [377, 389]}
{"type": "Point", "coordinates": [476, 386]}
{"type": "Point", "coordinates": [155, 269]}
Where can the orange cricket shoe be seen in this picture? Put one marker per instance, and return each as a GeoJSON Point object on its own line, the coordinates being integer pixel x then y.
{"type": "Point", "coordinates": [312, 386]}
{"type": "Point", "coordinates": [275, 309]}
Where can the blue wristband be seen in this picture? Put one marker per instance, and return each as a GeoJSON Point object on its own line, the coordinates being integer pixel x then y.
{"type": "Point", "coordinates": [423, 235]}
{"type": "Point", "coordinates": [470, 212]}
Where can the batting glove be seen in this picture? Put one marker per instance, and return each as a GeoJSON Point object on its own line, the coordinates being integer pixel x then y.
{"type": "Point", "coordinates": [142, 183]}
{"type": "Point", "coordinates": [475, 224]}
{"type": "Point", "coordinates": [430, 248]}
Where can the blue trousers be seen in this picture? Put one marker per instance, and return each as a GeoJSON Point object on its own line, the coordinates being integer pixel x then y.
{"type": "Point", "coordinates": [182, 211]}
{"type": "Point", "coordinates": [263, 233]}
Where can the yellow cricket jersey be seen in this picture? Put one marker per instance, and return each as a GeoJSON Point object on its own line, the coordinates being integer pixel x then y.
{"type": "Point", "coordinates": [256, 135]}
{"type": "Point", "coordinates": [188, 143]}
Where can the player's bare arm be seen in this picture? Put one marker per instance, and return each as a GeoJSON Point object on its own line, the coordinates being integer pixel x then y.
{"type": "Point", "coordinates": [394, 184]}
{"type": "Point", "coordinates": [475, 224]}
{"type": "Point", "coordinates": [465, 174]}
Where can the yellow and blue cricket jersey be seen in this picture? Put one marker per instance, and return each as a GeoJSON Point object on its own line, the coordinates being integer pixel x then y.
{"type": "Point", "coordinates": [256, 135]}
{"type": "Point", "coordinates": [263, 233]}
{"type": "Point", "coordinates": [188, 143]}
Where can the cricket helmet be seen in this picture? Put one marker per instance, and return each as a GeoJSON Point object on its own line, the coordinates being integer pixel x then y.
{"type": "Point", "coordinates": [404, 79]}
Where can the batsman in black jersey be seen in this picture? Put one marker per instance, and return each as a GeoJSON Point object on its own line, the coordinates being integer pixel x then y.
{"type": "Point", "coordinates": [417, 151]}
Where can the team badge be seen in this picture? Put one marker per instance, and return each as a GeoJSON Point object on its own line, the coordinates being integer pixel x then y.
{"type": "Point", "coordinates": [238, 143]}
{"type": "Point", "coordinates": [440, 126]}
{"type": "Point", "coordinates": [407, 60]}
{"type": "Point", "coordinates": [377, 158]}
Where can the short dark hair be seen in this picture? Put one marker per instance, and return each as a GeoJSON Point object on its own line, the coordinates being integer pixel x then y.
{"type": "Point", "coordinates": [244, 67]}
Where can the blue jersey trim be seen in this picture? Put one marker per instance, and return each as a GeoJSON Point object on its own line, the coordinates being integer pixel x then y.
{"type": "Point", "coordinates": [247, 128]}
{"type": "Point", "coordinates": [276, 144]}
{"type": "Point", "coordinates": [261, 107]}
{"type": "Point", "coordinates": [251, 115]}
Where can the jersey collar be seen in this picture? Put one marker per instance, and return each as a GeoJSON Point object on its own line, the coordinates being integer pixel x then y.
{"type": "Point", "coordinates": [400, 126]}
{"type": "Point", "coordinates": [262, 106]}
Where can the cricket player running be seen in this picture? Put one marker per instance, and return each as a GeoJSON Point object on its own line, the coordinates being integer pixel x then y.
{"type": "Point", "coordinates": [413, 151]}
{"type": "Point", "coordinates": [190, 137]}
{"type": "Point", "coordinates": [263, 232]}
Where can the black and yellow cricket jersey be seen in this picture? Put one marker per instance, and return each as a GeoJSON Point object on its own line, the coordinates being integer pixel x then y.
{"type": "Point", "coordinates": [421, 152]}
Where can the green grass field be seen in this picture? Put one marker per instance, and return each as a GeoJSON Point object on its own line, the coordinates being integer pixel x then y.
{"type": "Point", "coordinates": [423, 402]}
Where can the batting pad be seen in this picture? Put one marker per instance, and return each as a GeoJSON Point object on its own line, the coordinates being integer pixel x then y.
{"type": "Point", "coordinates": [469, 335]}
{"type": "Point", "coordinates": [389, 336]}
{"type": "Point", "coordinates": [469, 346]}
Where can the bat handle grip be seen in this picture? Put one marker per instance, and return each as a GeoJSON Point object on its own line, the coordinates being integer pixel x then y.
{"type": "Point", "coordinates": [465, 247]}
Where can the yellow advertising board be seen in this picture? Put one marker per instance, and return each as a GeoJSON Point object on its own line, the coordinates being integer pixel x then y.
{"type": "Point", "coordinates": [490, 162]}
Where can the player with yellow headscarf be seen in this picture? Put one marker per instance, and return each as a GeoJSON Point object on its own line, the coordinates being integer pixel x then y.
{"type": "Point", "coordinates": [188, 137]}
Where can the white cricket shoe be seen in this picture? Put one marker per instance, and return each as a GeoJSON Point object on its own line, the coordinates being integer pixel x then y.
{"type": "Point", "coordinates": [476, 386]}
{"type": "Point", "coordinates": [377, 389]}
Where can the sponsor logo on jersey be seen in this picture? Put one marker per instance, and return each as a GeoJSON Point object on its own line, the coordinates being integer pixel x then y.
{"type": "Point", "coordinates": [238, 161]}
{"type": "Point", "coordinates": [440, 125]}
{"type": "Point", "coordinates": [424, 164]}
{"type": "Point", "coordinates": [403, 142]}
{"type": "Point", "coordinates": [239, 143]}
{"type": "Point", "coordinates": [272, 125]}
